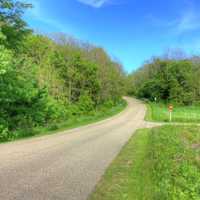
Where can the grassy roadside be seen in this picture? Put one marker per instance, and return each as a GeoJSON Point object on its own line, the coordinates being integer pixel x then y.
{"type": "Point", "coordinates": [160, 163]}
{"type": "Point", "coordinates": [73, 122]}
{"type": "Point", "coordinates": [159, 112]}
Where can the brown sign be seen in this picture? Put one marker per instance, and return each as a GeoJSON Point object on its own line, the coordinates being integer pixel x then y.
{"type": "Point", "coordinates": [170, 108]}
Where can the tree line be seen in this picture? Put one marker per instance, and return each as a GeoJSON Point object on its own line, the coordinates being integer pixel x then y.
{"type": "Point", "coordinates": [169, 78]}
{"type": "Point", "coordinates": [48, 79]}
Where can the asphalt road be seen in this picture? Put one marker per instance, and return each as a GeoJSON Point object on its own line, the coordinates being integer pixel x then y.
{"type": "Point", "coordinates": [68, 165]}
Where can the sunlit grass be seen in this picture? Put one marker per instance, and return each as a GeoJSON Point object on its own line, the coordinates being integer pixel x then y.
{"type": "Point", "coordinates": [156, 164]}
{"type": "Point", "coordinates": [159, 112]}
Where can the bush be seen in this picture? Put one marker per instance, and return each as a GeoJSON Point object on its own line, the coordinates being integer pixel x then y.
{"type": "Point", "coordinates": [56, 111]}
{"type": "Point", "coordinates": [85, 104]}
{"type": "Point", "coordinates": [108, 104]}
{"type": "Point", "coordinates": [5, 60]}
{"type": "Point", "coordinates": [4, 133]}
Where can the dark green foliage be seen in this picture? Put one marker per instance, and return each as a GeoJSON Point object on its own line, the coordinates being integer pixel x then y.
{"type": "Point", "coordinates": [4, 133]}
{"type": "Point", "coordinates": [23, 103]}
{"type": "Point", "coordinates": [168, 80]}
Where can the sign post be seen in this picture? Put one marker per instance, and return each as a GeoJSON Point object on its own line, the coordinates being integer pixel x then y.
{"type": "Point", "coordinates": [170, 112]}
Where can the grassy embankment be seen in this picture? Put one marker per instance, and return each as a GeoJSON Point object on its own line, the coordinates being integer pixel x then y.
{"type": "Point", "coordinates": [73, 122]}
{"type": "Point", "coordinates": [159, 112]}
{"type": "Point", "coordinates": [159, 163]}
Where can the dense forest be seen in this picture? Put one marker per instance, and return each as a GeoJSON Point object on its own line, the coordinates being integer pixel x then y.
{"type": "Point", "coordinates": [173, 77]}
{"type": "Point", "coordinates": [46, 80]}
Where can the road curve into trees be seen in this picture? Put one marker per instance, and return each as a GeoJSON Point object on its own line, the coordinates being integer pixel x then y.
{"type": "Point", "coordinates": [66, 166]}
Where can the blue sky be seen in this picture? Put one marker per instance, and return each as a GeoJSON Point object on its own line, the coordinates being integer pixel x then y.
{"type": "Point", "coordinates": [131, 30]}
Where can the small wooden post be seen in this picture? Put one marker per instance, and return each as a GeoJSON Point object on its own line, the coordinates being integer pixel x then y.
{"type": "Point", "coordinates": [170, 116]}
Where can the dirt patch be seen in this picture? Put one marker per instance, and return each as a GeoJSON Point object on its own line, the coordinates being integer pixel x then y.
{"type": "Point", "coordinates": [195, 146]}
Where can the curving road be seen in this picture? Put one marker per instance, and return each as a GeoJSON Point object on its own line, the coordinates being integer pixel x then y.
{"type": "Point", "coordinates": [68, 165]}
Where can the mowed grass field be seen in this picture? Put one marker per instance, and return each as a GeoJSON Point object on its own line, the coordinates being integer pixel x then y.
{"type": "Point", "coordinates": [159, 112]}
{"type": "Point", "coordinates": [157, 164]}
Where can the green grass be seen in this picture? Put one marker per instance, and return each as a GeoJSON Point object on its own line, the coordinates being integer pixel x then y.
{"type": "Point", "coordinates": [159, 112]}
{"type": "Point", "coordinates": [74, 122]}
{"type": "Point", "coordinates": [156, 164]}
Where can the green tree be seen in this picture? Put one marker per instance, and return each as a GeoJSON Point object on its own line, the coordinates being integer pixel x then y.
{"type": "Point", "coordinates": [167, 80]}
{"type": "Point", "coordinates": [11, 23]}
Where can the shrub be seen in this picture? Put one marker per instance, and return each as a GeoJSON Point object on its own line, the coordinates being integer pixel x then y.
{"type": "Point", "coordinates": [56, 111]}
{"type": "Point", "coordinates": [85, 104]}
{"type": "Point", "coordinates": [4, 133]}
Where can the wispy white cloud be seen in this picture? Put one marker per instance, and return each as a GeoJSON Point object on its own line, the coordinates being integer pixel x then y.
{"type": "Point", "coordinates": [37, 13]}
{"type": "Point", "coordinates": [186, 21]}
{"type": "Point", "coordinates": [100, 3]}
{"type": "Point", "coordinates": [94, 3]}
{"type": "Point", "coordinates": [189, 21]}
